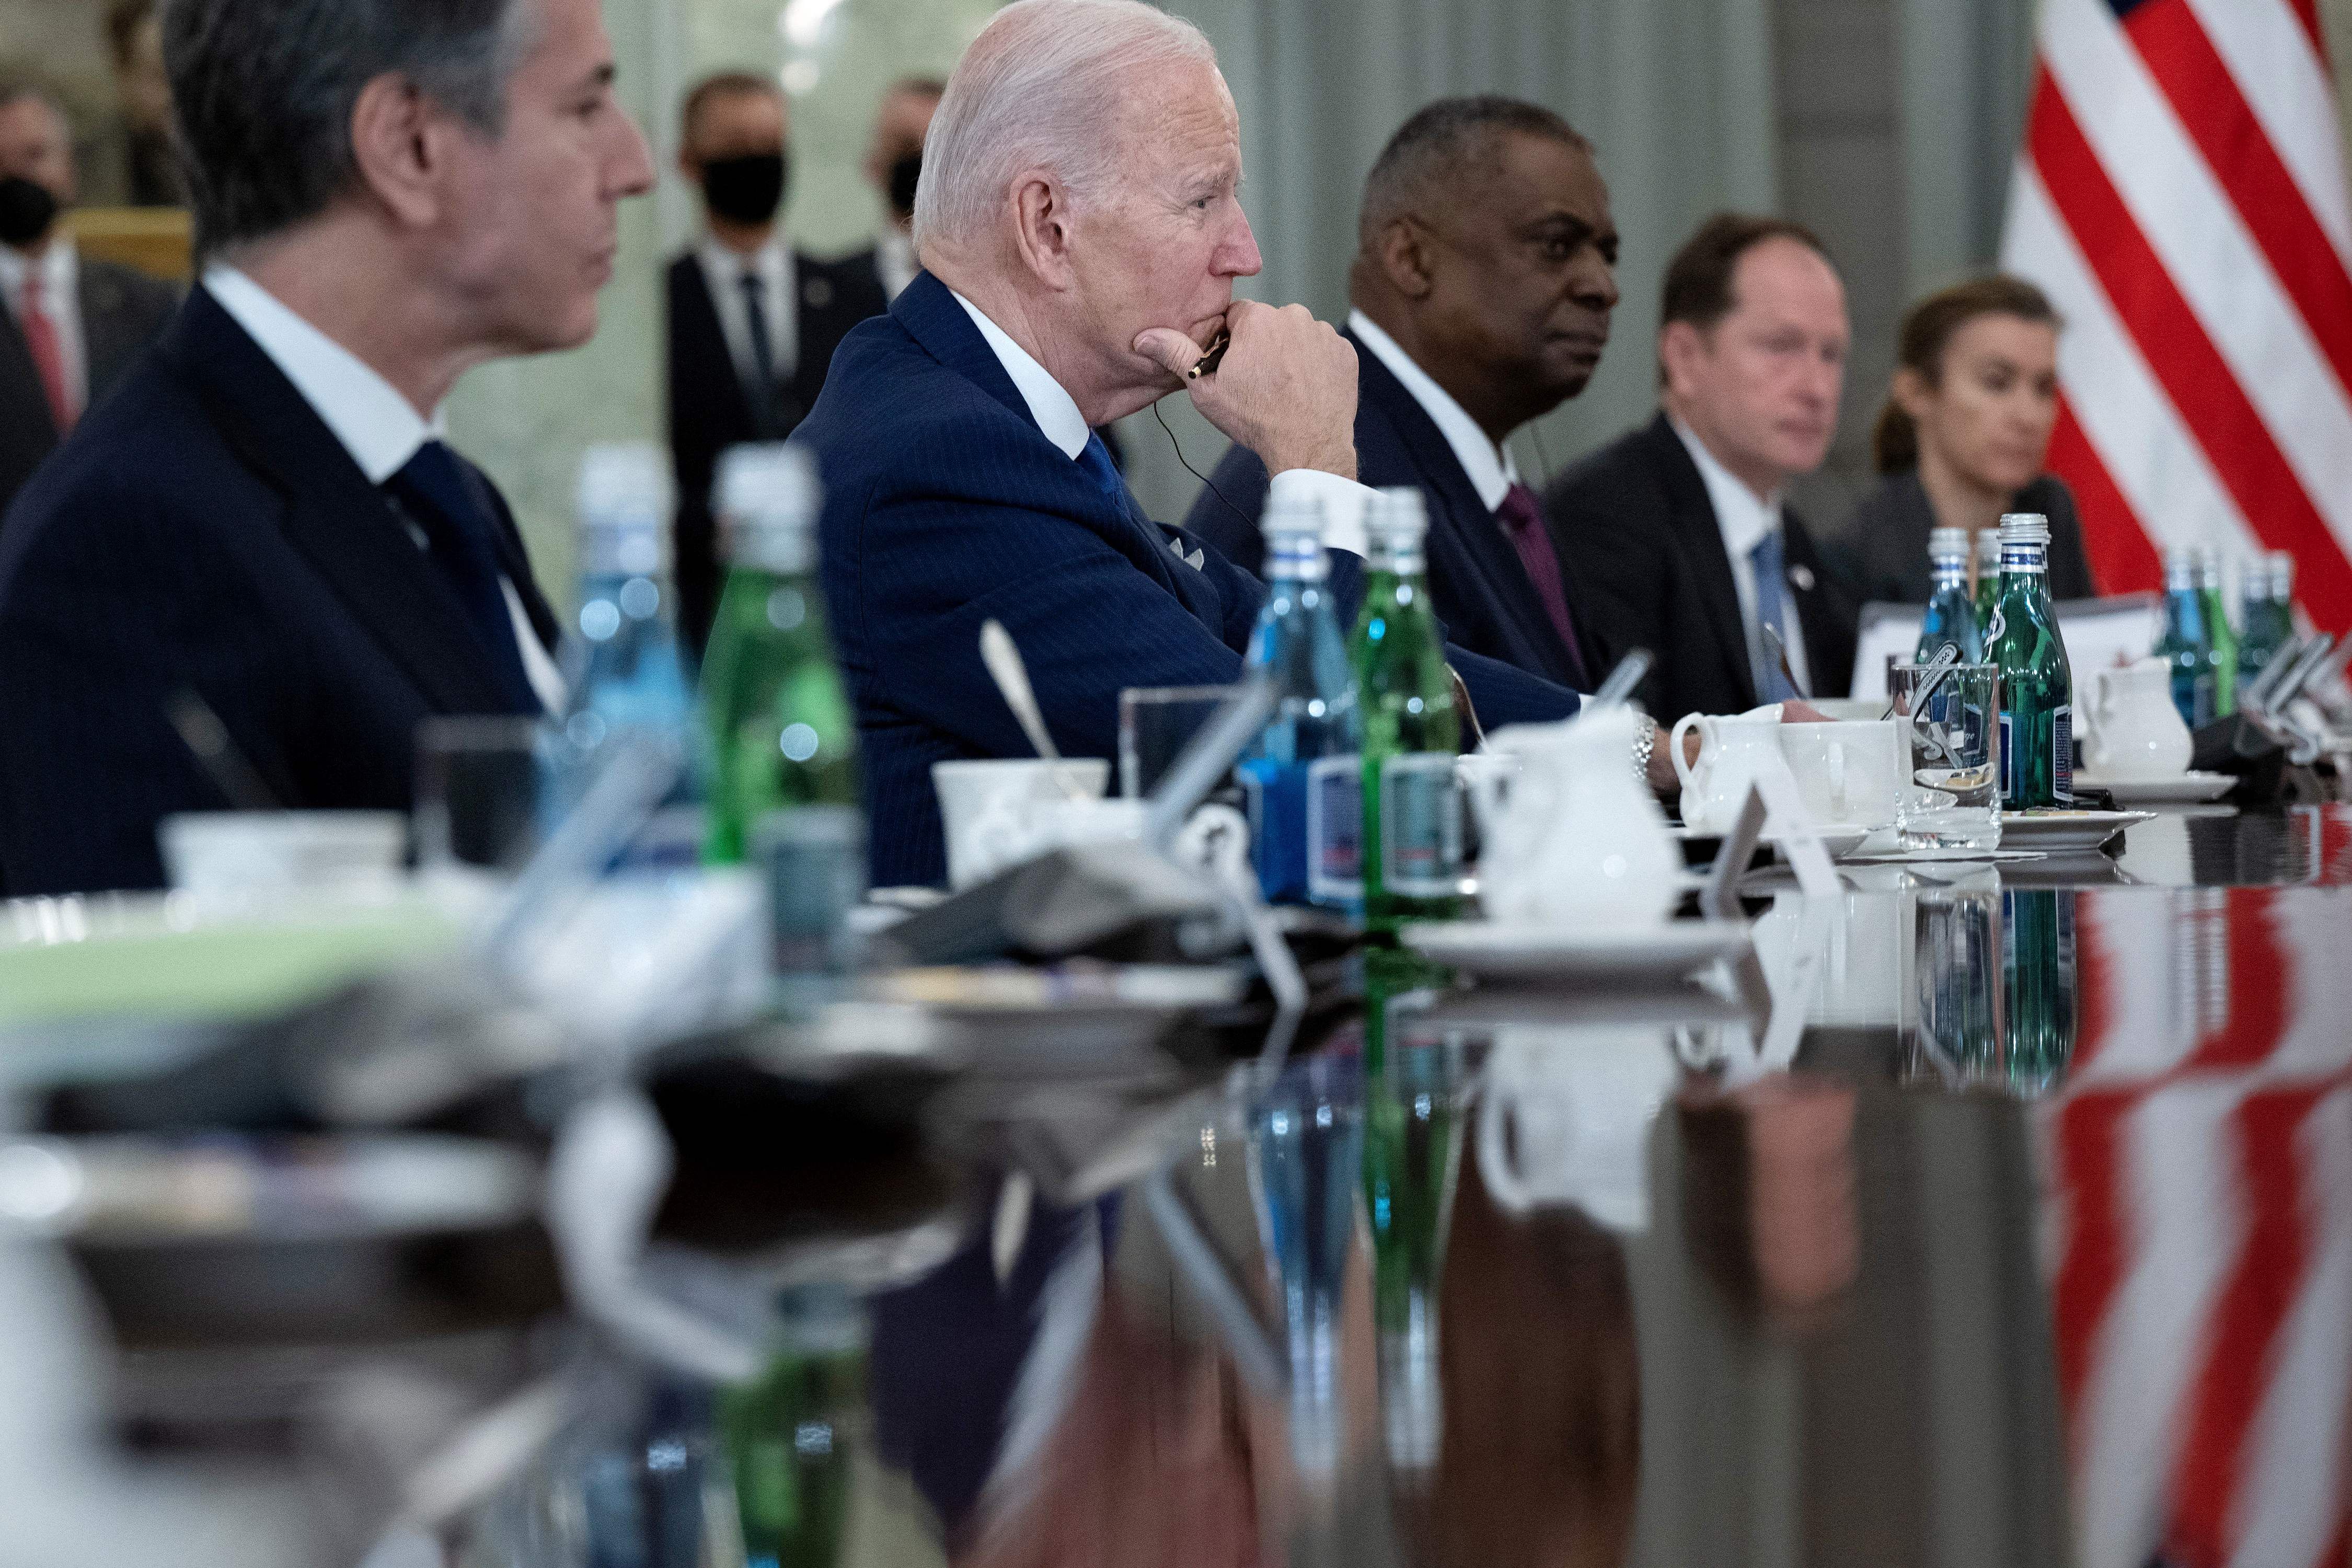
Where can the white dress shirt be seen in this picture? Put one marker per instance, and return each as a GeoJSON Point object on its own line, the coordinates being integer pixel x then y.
{"type": "Point", "coordinates": [894, 258]}
{"type": "Point", "coordinates": [1744, 520]}
{"type": "Point", "coordinates": [771, 264]}
{"type": "Point", "coordinates": [379, 428]}
{"type": "Point", "coordinates": [1492, 472]}
{"type": "Point", "coordinates": [1056, 413]}
{"type": "Point", "coordinates": [59, 268]}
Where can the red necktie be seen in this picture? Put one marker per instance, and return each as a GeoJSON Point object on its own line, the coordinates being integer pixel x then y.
{"type": "Point", "coordinates": [1522, 518]}
{"type": "Point", "coordinates": [48, 354]}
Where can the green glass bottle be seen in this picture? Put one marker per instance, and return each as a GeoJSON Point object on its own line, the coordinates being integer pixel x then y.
{"type": "Point", "coordinates": [789, 1432]}
{"type": "Point", "coordinates": [2222, 655]}
{"type": "Point", "coordinates": [781, 731]}
{"type": "Point", "coordinates": [1988, 575]}
{"type": "Point", "coordinates": [2185, 648]}
{"type": "Point", "coordinates": [1951, 616]}
{"type": "Point", "coordinates": [2037, 685]}
{"type": "Point", "coordinates": [1411, 728]}
{"type": "Point", "coordinates": [2269, 601]}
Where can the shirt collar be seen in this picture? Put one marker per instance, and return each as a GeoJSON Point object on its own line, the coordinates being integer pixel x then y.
{"type": "Point", "coordinates": [725, 261]}
{"type": "Point", "coordinates": [1050, 404]}
{"type": "Point", "coordinates": [59, 264]}
{"type": "Point", "coordinates": [1492, 472]}
{"type": "Point", "coordinates": [1744, 520]}
{"type": "Point", "coordinates": [376, 423]}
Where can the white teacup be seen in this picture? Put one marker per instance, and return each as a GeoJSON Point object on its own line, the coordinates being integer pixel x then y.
{"type": "Point", "coordinates": [2136, 733]}
{"type": "Point", "coordinates": [972, 791]}
{"type": "Point", "coordinates": [1567, 1116]}
{"type": "Point", "coordinates": [1847, 773]}
{"type": "Point", "coordinates": [1730, 752]}
{"type": "Point", "coordinates": [282, 851]}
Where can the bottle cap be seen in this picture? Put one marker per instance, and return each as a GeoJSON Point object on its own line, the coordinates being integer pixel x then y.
{"type": "Point", "coordinates": [624, 508]}
{"type": "Point", "coordinates": [768, 498]}
{"type": "Point", "coordinates": [2024, 527]}
{"type": "Point", "coordinates": [2282, 566]}
{"type": "Point", "coordinates": [1398, 515]}
{"type": "Point", "coordinates": [1947, 541]}
{"type": "Point", "coordinates": [1293, 517]}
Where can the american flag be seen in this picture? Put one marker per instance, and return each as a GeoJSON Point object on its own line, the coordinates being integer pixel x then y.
{"type": "Point", "coordinates": [2181, 196]}
{"type": "Point", "coordinates": [2198, 1228]}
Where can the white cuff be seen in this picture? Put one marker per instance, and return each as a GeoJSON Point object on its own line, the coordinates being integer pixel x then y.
{"type": "Point", "coordinates": [1342, 501]}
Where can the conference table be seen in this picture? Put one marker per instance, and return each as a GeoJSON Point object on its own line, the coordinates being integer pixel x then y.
{"type": "Point", "coordinates": [2062, 1274]}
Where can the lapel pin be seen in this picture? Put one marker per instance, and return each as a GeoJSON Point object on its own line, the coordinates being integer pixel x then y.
{"type": "Point", "coordinates": [817, 292]}
{"type": "Point", "coordinates": [1802, 577]}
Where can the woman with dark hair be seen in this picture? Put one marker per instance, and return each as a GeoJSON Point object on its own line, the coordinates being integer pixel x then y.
{"type": "Point", "coordinates": [1963, 435]}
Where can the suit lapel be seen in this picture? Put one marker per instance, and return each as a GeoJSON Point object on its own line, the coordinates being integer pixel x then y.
{"type": "Point", "coordinates": [1702, 541]}
{"type": "Point", "coordinates": [102, 328]}
{"type": "Point", "coordinates": [339, 521]}
{"type": "Point", "coordinates": [1502, 577]}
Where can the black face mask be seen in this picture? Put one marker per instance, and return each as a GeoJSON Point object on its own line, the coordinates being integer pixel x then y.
{"type": "Point", "coordinates": [27, 210]}
{"type": "Point", "coordinates": [904, 173]}
{"type": "Point", "coordinates": [748, 189]}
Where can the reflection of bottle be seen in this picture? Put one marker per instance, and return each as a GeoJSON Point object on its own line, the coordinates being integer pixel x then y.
{"type": "Point", "coordinates": [2038, 986]}
{"type": "Point", "coordinates": [1958, 959]}
{"type": "Point", "coordinates": [2037, 686]}
{"type": "Point", "coordinates": [1302, 774]}
{"type": "Point", "coordinates": [779, 726]}
{"type": "Point", "coordinates": [1413, 825]}
{"type": "Point", "coordinates": [2185, 648]}
{"type": "Point", "coordinates": [785, 1432]}
{"type": "Point", "coordinates": [1305, 1161]}
{"type": "Point", "coordinates": [1413, 1150]}
{"type": "Point", "coordinates": [2221, 641]}
{"type": "Point", "coordinates": [1951, 616]}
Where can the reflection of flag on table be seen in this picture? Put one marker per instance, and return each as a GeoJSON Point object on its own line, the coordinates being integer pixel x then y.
{"type": "Point", "coordinates": [2198, 1214]}
{"type": "Point", "coordinates": [2182, 198]}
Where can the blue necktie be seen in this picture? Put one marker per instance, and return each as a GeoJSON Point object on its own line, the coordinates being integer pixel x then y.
{"type": "Point", "coordinates": [460, 540]}
{"type": "Point", "coordinates": [1772, 610]}
{"type": "Point", "coordinates": [1095, 460]}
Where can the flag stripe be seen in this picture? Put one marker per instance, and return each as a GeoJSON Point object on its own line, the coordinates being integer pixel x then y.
{"type": "Point", "coordinates": [2190, 369]}
{"type": "Point", "coordinates": [2220, 120]}
{"type": "Point", "coordinates": [2203, 255]}
{"type": "Point", "coordinates": [2307, 12]}
{"type": "Point", "coordinates": [2121, 557]}
{"type": "Point", "coordinates": [2289, 91]}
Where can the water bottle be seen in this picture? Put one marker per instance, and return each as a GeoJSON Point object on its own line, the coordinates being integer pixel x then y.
{"type": "Point", "coordinates": [2221, 642]}
{"type": "Point", "coordinates": [1951, 615]}
{"type": "Point", "coordinates": [1301, 853]}
{"type": "Point", "coordinates": [2185, 648]}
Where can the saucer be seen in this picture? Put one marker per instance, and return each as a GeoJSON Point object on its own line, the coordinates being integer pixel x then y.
{"type": "Point", "coordinates": [2180, 788]}
{"type": "Point", "coordinates": [1838, 839]}
{"type": "Point", "coordinates": [2062, 832]}
{"type": "Point", "coordinates": [1521, 950]}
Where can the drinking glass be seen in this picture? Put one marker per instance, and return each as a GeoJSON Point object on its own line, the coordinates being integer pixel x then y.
{"type": "Point", "coordinates": [1306, 1168]}
{"type": "Point", "coordinates": [477, 790]}
{"type": "Point", "coordinates": [1155, 724]}
{"type": "Point", "coordinates": [1950, 744]}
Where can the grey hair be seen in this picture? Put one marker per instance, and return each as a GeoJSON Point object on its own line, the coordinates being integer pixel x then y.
{"type": "Point", "coordinates": [1438, 149]}
{"type": "Point", "coordinates": [1041, 86]}
{"type": "Point", "coordinates": [263, 92]}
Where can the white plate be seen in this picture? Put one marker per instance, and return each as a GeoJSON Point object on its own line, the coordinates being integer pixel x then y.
{"type": "Point", "coordinates": [2188, 787]}
{"type": "Point", "coordinates": [2063, 832]}
{"type": "Point", "coordinates": [1521, 952]}
{"type": "Point", "coordinates": [1838, 839]}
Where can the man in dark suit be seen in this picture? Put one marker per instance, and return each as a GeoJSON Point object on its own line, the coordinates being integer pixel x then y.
{"type": "Point", "coordinates": [69, 325]}
{"type": "Point", "coordinates": [752, 321]}
{"type": "Point", "coordinates": [894, 165]}
{"type": "Point", "coordinates": [1676, 532]}
{"type": "Point", "coordinates": [1482, 291]}
{"type": "Point", "coordinates": [264, 514]}
{"type": "Point", "coordinates": [962, 480]}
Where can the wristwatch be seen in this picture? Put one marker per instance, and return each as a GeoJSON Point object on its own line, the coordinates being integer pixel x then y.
{"type": "Point", "coordinates": [1645, 741]}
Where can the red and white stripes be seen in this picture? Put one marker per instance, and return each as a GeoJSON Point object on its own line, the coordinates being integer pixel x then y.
{"type": "Point", "coordinates": [2198, 1240]}
{"type": "Point", "coordinates": [2181, 198]}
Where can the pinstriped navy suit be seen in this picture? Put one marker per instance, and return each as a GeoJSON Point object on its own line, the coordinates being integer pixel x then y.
{"type": "Point", "coordinates": [945, 506]}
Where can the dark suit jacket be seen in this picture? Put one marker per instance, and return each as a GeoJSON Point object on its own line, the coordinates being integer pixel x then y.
{"type": "Point", "coordinates": [1638, 534]}
{"type": "Point", "coordinates": [204, 529]}
{"type": "Point", "coordinates": [121, 312]}
{"type": "Point", "coordinates": [1885, 542]}
{"type": "Point", "coordinates": [944, 506]}
{"type": "Point", "coordinates": [710, 410]}
{"type": "Point", "coordinates": [1480, 590]}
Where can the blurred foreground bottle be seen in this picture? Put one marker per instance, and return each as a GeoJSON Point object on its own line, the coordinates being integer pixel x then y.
{"type": "Point", "coordinates": [2268, 597]}
{"type": "Point", "coordinates": [2038, 986]}
{"type": "Point", "coordinates": [1958, 960]}
{"type": "Point", "coordinates": [2222, 641]}
{"type": "Point", "coordinates": [2037, 685]}
{"type": "Point", "coordinates": [625, 673]}
{"type": "Point", "coordinates": [2185, 646]}
{"type": "Point", "coordinates": [1304, 774]}
{"type": "Point", "coordinates": [1951, 615]}
{"type": "Point", "coordinates": [789, 1432]}
{"type": "Point", "coordinates": [1412, 730]}
{"type": "Point", "coordinates": [781, 734]}
{"type": "Point", "coordinates": [1987, 546]}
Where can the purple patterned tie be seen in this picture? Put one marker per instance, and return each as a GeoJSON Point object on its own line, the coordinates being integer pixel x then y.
{"type": "Point", "coordinates": [1522, 518]}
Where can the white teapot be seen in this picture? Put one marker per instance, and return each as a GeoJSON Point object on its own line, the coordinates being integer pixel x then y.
{"type": "Point", "coordinates": [2136, 732]}
{"type": "Point", "coordinates": [1731, 752]}
{"type": "Point", "coordinates": [1570, 837]}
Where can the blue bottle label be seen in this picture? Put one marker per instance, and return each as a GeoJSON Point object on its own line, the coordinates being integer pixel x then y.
{"type": "Point", "coordinates": [1335, 829]}
{"type": "Point", "coordinates": [1421, 825]}
{"type": "Point", "coordinates": [2012, 766]}
{"type": "Point", "coordinates": [2062, 755]}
